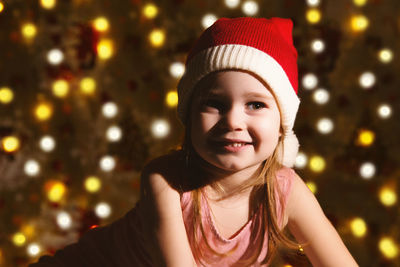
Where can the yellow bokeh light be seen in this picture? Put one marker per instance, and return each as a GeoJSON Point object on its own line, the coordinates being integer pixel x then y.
{"type": "Point", "coordinates": [19, 239]}
{"type": "Point", "coordinates": [6, 95]}
{"type": "Point", "coordinates": [287, 265]}
{"type": "Point", "coordinates": [317, 164]}
{"type": "Point", "coordinates": [358, 227]}
{"type": "Point", "coordinates": [43, 111]}
{"type": "Point", "coordinates": [365, 138]}
{"type": "Point", "coordinates": [101, 24]}
{"type": "Point", "coordinates": [312, 186]}
{"type": "Point", "coordinates": [88, 85]}
{"type": "Point", "coordinates": [48, 4]}
{"type": "Point", "coordinates": [150, 11]}
{"type": "Point", "coordinates": [55, 190]}
{"type": "Point", "coordinates": [313, 15]}
{"type": "Point", "coordinates": [105, 49]}
{"type": "Point", "coordinates": [388, 248]}
{"type": "Point", "coordinates": [157, 38]}
{"type": "Point", "coordinates": [1, 7]}
{"type": "Point", "coordinates": [10, 144]}
{"type": "Point", "coordinates": [359, 23]}
{"type": "Point", "coordinates": [172, 99]}
{"type": "Point", "coordinates": [385, 55]}
{"type": "Point", "coordinates": [360, 2]}
{"type": "Point", "coordinates": [92, 184]}
{"type": "Point", "coordinates": [60, 88]}
{"type": "Point", "coordinates": [29, 30]}
{"type": "Point", "coordinates": [387, 196]}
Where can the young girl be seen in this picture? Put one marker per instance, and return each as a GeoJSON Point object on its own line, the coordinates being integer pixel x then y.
{"type": "Point", "coordinates": [226, 196]}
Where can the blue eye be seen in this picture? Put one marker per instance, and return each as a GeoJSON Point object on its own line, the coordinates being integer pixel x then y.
{"type": "Point", "coordinates": [256, 105]}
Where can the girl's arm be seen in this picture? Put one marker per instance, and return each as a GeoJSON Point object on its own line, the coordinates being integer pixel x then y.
{"type": "Point", "coordinates": [163, 219]}
{"type": "Point", "coordinates": [308, 224]}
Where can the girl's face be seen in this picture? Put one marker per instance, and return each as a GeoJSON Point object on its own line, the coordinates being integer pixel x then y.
{"type": "Point", "coordinates": [235, 121]}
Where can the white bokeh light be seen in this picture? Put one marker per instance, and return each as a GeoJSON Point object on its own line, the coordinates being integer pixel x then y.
{"type": "Point", "coordinates": [250, 8]}
{"type": "Point", "coordinates": [313, 3]}
{"type": "Point", "coordinates": [301, 160]}
{"type": "Point", "coordinates": [177, 69]}
{"type": "Point", "coordinates": [367, 170]}
{"type": "Point", "coordinates": [384, 111]}
{"type": "Point", "coordinates": [31, 167]}
{"type": "Point", "coordinates": [232, 3]}
{"type": "Point", "coordinates": [367, 80]}
{"type": "Point", "coordinates": [114, 133]}
{"type": "Point", "coordinates": [110, 110]}
{"type": "Point", "coordinates": [325, 125]}
{"type": "Point", "coordinates": [55, 56]}
{"type": "Point", "coordinates": [208, 20]}
{"type": "Point", "coordinates": [317, 46]}
{"type": "Point", "coordinates": [385, 55]}
{"type": "Point", "coordinates": [160, 128]}
{"type": "Point", "coordinates": [321, 96]}
{"type": "Point", "coordinates": [47, 143]}
{"type": "Point", "coordinates": [107, 163]}
{"type": "Point", "coordinates": [33, 249]}
{"type": "Point", "coordinates": [309, 81]}
{"type": "Point", "coordinates": [103, 210]}
{"type": "Point", "coordinates": [64, 220]}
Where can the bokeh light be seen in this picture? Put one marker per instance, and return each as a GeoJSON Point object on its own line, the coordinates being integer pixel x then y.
{"type": "Point", "coordinates": [313, 3]}
{"type": "Point", "coordinates": [6, 95]}
{"type": "Point", "coordinates": [317, 164]}
{"type": "Point", "coordinates": [1, 10]}
{"type": "Point", "coordinates": [55, 190]}
{"type": "Point", "coordinates": [157, 38]}
{"type": "Point", "coordinates": [358, 227]}
{"type": "Point", "coordinates": [385, 55]}
{"type": "Point", "coordinates": [313, 15]}
{"type": "Point", "coordinates": [250, 8]}
{"type": "Point", "coordinates": [301, 160]}
{"type": "Point", "coordinates": [384, 111]}
{"type": "Point", "coordinates": [101, 24]}
{"type": "Point", "coordinates": [64, 220]}
{"type": "Point", "coordinates": [47, 143]}
{"type": "Point", "coordinates": [325, 125]}
{"type": "Point", "coordinates": [160, 128]}
{"type": "Point", "coordinates": [110, 110]}
{"type": "Point", "coordinates": [208, 20]}
{"type": "Point", "coordinates": [360, 2]}
{"type": "Point", "coordinates": [172, 99]}
{"type": "Point", "coordinates": [177, 69]}
{"type": "Point", "coordinates": [114, 133]}
{"type": "Point", "coordinates": [43, 111]}
{"type": "Point", "coordinates": [103, 210]}
{"type": "Point", "coordinates": [105, 49]}
{"type": "Point", "coordinates": [232, 3]}
{"type": "Point", "coordinates": [60, 88]}
{"type": "Point", "coordinates": [29, 30]}
{"type": "Point", "coordinates": [55, 56]}
{"type": "Point", "coordinates": [33, 249]}
{"type": "Point", "coordinates": [321, 96]}
{"type": "Point", "coordinates": [359, 23]}
{"type": "Point", "coordinates": [19, 239]}
{"type": "Point", "coordinates": [48, 4]}
{"type": "Point", "coordinates": [31, 167]}
{"type": "Point", "coordinates": [388, 247]}
{"type": "Point", "coordinates": [312, 186]}
{"type": "Point", "coordinates": [150, 11]}
{"type": "Point", "coordinates": [317, 46]}
{"type": "Point", "coordinates": [388, 196]}
{"type": "Point", "coordinates": [92, 184]}
{"type": "Point", "coordinates": [107, 163]}
{"type": "Point", "coordinates": [309, 81]}
{"type": "Point", "coordinates": [367, 170]}
{"type": "Point", "coordinates": [367, 79]}
{"type": "Point", "coordinates": [365, 137]}
{"type": "Point", "coordinates": [88, 86]}
{"type": "Point", "coordinates": [10, 144]}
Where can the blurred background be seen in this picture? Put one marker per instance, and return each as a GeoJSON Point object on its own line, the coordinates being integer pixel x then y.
{"type": "Point", "coordinates": [88, 96]}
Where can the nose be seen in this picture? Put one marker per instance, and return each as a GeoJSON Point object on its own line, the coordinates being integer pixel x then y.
{"type": "Point", "coordinates": [233, 119]}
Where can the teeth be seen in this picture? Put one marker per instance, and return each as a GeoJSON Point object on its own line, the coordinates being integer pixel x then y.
{"type": "Point", "coordinates": [237, 144]}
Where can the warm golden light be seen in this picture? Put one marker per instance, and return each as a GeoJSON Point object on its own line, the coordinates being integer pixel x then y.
{"type": "Point", "coordinates": [312, 186]}
{"type": "Point", "coordinates": [88, 85]}
{"type": "Point", "coordinates": [28, 230]}
{"type": "Point", "coordinates": [19, 239]}
{"type": "Point", "coordinates": [313, 15]}
{"type": "Point", "coordinates": [360, 2]}
{"type": "Point", "coordinates": [60, 88]}
{"type": "Point", "coordinates": [6, 95]}
{"type": "Point", "coordinates": [317, 164]}
{"type": "Point", "coordinates": [48, 4]}
{"type": "Point", "coordinates": [92, 184]}
{"type": "Point", "coordinates": [105, 49]}
{"type": "Point", "coordinates": [55, 190]}
{"type": "Point", "coordinates": [150, 11]}
{"type": "Point", "coordinates": [101, 24]}
{"type": "Point", "coordinates": [10, 144]}
{"type": "Point", "coordinates": [366, 138]}
{"type": "Point", "coordinates": [385, 55]}
{"type": "Point", "coordinates": [358, 227]}
{"type": "Point", "coordinates": [388, 248]}
{"type": "Point", "coordinates": [172, 99]}
{"type": "Point", "coordinates": [157, 38]}
{"type": "Point", "coordinates": [43, 111]}
{"type": "Point", "coordinates": [387, 196]}
{"type": "Point", "coordinates": [1, 7]}
{"type": "Point", "coordinates": [29, 30]}
{"type": "Point", "coordinates": [359, 23]}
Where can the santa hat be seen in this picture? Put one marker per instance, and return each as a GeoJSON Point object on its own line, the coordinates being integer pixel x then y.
{"type": "Point", "coordinates": [260, 46]}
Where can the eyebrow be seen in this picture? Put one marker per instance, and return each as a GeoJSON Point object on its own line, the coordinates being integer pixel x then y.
{"type": "Point", "coordinates": [259, 95]}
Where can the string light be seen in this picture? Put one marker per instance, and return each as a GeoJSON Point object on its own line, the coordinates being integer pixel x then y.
{"type": "Point", "coordinates": [325, 125]}
{"type": "Point", "coordinates": [160, 128]}
{"type": "Point", "coordinates": [29, 30]}
{"type": "Point", "coordinates": [55, 56]}
{"type": "Point", "coordinates": [92, 184]}
{"type": "Point", "coordinates": [359, 23]}
{"type": "Point", "coordinates": [101, 24]}
{"type": "Point", "coordinates": [33, 249]}
{"type": "Point", "coordinates": [176, 69]}
{"type": "Point", "coordinates": [384, 111]}
{"type": "Point", "coordinates": [250, 8]}
{"type": "Point", "coordinates": [360, 2]}
{"type": "Point", "coordinates": [301, 160]}
{"type": "Point", "coordinates": [48, 4]}
{"type": "Point", "coordinates": [157, 38]}
{"type": "Point", "coordinates": [313, 3]}
{"type": "Point", "coordinates": [309, 81]}
{"type": "Point", "coordinates": [31, 168]}
{"type": "Point", "coordinates": [172, 99]}
{"type": "Point", "coordinates": [88, 86]}
{"type": "Point", "coordinates": [317, 46]}
{"type": "Point", "coordinates": [388, 247]}
{"type": "Point", "coordinates": [367, 80]}
{"type": "Point", "coordinates": [64, 220]}
{"type": "Point", "coordinates": [358, 227]}
{"type": "Point", "coordinates": [109, 110]}
{"type": "Point", "coordinates": [367, 170]}
{"type": "Point", "coordinates": [19, 239]}
{"type": "Point", "coordinates": [317, 164]}
{"type": "Point", "coordinates": [43, 111]}
{"type": "Point", "coordinates": [60, 88]}
{"type": "Point", "coordinates": [208, 20]}
{"type": "Point", "coordinates": [107, 163]}
{"type": "Point", "coordinates": [55, 190]}
{"type": "Point", "coordinates": [105, 49]}
{"type": "Point", "coordinates": [6, 95]}
{"type": "Point", "coordinates": [313, 15]}
{"type": "Point", "coordinates": [114, 134]}
{"type": "Point", "coordinates": [387, 196]}
{"type": "Point", "coordinates": [150, 11]}
{"type": "Point", "coordinates": [321, 96]}
{"type": "Point", "coordinates": [47, 143]}
{"type": "Point", "coordinates": [365, 137]}
{"type": "Point", "coordinates": [312, 186]}
{"type": "Point", "coordinates": [385, 55]}
{"type": "Point", "coordinates": [232, 3]}
{"type": "Point", "coordinates": [10, 144]}
{"type": "Point", "coordinates": [103, 210]}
